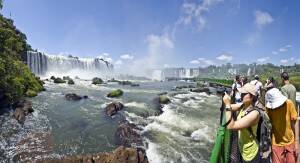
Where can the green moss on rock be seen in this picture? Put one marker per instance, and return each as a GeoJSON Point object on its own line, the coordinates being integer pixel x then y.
{"type": "Point", "coordinates": [164, 99]}
{"type": "Point", "coordinates": [115, 93]}
{"type": "Point", "coordinates": [31, 93]}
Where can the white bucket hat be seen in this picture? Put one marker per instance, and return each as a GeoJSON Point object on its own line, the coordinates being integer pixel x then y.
{"type": "Point", "coordinates": [274, 98]}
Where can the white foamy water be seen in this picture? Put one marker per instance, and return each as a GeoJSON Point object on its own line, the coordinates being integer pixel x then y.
{"type": "Point", "coordinates": [184, 132]}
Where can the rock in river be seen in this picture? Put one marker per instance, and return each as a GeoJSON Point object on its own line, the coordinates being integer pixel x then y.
{"type": "Point", "coordinates": [74, 97]}
{"type": "Point", "coordinates": [119, 155]}
{"type": "Point", "coordinates": [113, 108]}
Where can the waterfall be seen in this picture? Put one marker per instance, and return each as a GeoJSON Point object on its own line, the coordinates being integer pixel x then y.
{"type": "Point", "coordinates": [41, 63]}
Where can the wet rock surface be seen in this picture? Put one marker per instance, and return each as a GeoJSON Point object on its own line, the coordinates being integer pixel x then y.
{"type": "Point", "coordinates": [112, 108]}
{"type": "Point", "coordinates": [22, 108]}
{"type": "Point", "coordinates": [74, 97]}
{"type": "Point", "coordinates": [119, 155]}
{"type": "Point", "coordinates": [127, 134]}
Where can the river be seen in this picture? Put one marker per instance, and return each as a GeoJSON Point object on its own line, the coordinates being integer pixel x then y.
{"type": "Point", "coordinates": [184, 132]}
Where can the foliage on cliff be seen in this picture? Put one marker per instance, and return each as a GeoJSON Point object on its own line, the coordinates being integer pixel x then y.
{"type": "Point", "coordinates": [15, 76]}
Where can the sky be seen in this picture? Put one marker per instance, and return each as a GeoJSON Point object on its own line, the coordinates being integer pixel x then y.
{"type": "Point", "coordinates": [151, 34]}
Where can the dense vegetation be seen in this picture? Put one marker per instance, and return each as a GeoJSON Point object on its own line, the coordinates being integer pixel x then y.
{"type": "Point", "coordinates": [225, 82]}
{"type": "Point", "coordinates": [228, 71]}
{"type": "Point", "coordinates": [16, 79]}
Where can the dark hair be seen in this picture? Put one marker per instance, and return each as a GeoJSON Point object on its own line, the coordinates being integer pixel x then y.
{"type": "Point", "coordinates": [256, 77]}
{"type": "Point", "coordinates": [237, 77]}
{"type": "Point", "coordinates": [245, 79]}
{"type": "Point", "coordinates": [271, 79]}
{"type": "Point", "coordinates": [285, 76]}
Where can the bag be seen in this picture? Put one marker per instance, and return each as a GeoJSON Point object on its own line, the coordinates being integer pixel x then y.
{"type": "Point", "coordinates": [264, 135]}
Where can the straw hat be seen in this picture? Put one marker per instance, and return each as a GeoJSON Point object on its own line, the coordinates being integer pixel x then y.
{"type": "Point", "coordinates": [248, 88]}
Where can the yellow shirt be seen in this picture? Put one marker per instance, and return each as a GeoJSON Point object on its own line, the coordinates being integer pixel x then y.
{"type": "Point", "coordinates": [282, 133]}
{"type": "Point", "coordinates": [247, 143]}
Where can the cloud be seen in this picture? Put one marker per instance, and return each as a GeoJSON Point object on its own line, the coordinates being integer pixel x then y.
{"type": "Point", "coordinates": [159, 50]}
{"type": "Point", "coordinates": [106, 57]}
{"type": "Point", "coordinates": [118, 62]}
{"type": "Point", "coordinates": [203, 62]}
{"type": "Point", "coordinates": [127, 57]}
{"type": "Point", "coordinates": [263, 59]}
{"type": "Point", "coordinates": [287, 61]}
{"type": "Point", "coordinates": [253, 39]}
{"type": "Point", "coordinates": [194, 13]}
{"type": "Point", "coordinates": [282, 49]}
{"type": "Point", "coordinates": [195, 62]}
{"type": "Point", "coordinates": [208, 62]}
{"type": "Point", "coordinates": [156, 42]}
{"type": "Point", "coordinates": [105, 54]}
{"type": "Point", "coordinates": [166, 65]}
{"type": "Point", "coordinates": [225, 57]}
{"type": "Point", "coordinates": [284, 61]}
{"type": "Point", "coordinates": [262, 18]}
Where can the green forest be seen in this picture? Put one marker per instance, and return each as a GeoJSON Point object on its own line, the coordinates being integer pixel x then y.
{"type": "Point", "coordinates": [16, 78]}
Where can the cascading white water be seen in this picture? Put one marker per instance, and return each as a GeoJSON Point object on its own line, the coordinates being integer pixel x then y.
{"type": "Point", "coordinates": [41, 63]}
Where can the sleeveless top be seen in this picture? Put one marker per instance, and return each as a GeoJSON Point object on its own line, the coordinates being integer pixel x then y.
{"type": "Point", "coordinates": [247, 143]}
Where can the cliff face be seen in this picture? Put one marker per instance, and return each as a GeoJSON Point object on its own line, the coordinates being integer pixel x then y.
{"type": "Point", "coordinates": [15, 77]}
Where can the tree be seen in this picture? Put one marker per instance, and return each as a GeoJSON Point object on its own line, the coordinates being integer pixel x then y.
{"type": "Point", "coordinates": [1, 4]}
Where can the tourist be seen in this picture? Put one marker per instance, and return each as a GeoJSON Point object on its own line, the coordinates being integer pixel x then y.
{"type": "Point", "coordinates": [257, 84]}
{"type": "Point", "coordinates": [244, 80]}
{"type": "Point", "coordinates": [248, 118]}
{"type": "Point", "coordinates": [234, 93]}
{"type": "Point", "coordinates": [270, 83]}
{"type": "Point", "coordinates": [282, 115]}
{"type": "Point", "coordinates": [288, 89]}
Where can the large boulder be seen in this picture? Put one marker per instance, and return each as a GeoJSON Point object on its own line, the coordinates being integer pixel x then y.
{"type": "Point", "coordinates": [112, 108]}
{"type": "Point", "coordinates": [73, 97]}
{"type": "Point", "coordinates": [127, 135]}
{"type": "Point", "coordinates": [71, 81]}
{"type": "Point", "coordinates": [19, 115]}
{"type": "Point", "coordinates": [115, 93]}
{"type": "Point", "coordinates": [59, 80]}
{"type": "Point", "coordinates": [164, 99]}
{"type": "Point", "coordinates": [119, 155]}
{"type": "Point", "coordinates": [113, 80]}
{"type": "Point", "coordinates": [199, 90]}
{"type": "Point", "coordinates": [135, 85]}
{"type": "Point", "coordinates": [97, 81]}
{"type": "Point", "coordinates": [23, 108]}
{"type": "Point", "coordinates": [125, 82]}
{"type": "Point", "coordinates": [66, 78]}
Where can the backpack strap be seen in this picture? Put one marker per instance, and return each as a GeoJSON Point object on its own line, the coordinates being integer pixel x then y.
{"type": "Point", "coordinates": [250, 128]}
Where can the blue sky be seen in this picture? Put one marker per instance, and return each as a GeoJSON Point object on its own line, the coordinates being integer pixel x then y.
{"type": "Point", "coordinates": [168, 33]}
